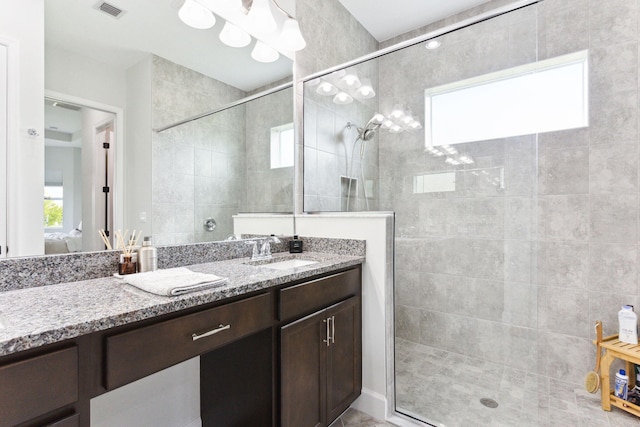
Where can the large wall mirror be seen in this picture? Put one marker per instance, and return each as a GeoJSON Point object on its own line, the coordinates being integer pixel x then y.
{"type": "Point", "coordinates": [124, 80]}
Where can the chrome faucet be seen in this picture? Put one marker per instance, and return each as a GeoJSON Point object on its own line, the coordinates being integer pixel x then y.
{"type": "Point", "coordinates": [265, 248]}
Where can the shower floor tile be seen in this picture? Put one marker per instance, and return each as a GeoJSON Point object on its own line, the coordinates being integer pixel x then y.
{"type": "Point", "coordinates": [445, 389]}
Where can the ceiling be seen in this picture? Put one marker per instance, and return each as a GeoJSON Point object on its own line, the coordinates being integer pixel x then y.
{"type": "Point", "coordinates": [387, 19]}
{"type": "Point", "coordinates": [153, 26]}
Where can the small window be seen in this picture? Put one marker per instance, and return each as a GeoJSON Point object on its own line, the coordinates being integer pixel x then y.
{"type": "Point", "coordinates": [282, 146]}
{"type": "Point", "coordinates": [53, 207]}
{"type": "Point", "coordinates": [543, 96]}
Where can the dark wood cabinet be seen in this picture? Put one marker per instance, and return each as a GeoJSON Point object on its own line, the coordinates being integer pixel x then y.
{"type": "Point", "coordinates": [287, 356]}
{"type": "Point", "coordinates": [303, 372]}
{"type": "Point", "coordinates": [321, 369]}
{"type": "Point", "coordinates": [38, 385]}
{"type": "Point", "coordinates": [135, 354]}
{"type": "Point", "coordinates": [344, 357]}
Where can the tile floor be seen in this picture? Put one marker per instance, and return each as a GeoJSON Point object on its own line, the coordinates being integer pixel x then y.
{"type": "Point", "coordinates": [445, 388]}
{"type": "Point", "coordinates": [354, 418]}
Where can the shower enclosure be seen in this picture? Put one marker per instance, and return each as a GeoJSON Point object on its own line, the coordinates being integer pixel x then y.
{"type": "Point", "coordinates": [479, 138]}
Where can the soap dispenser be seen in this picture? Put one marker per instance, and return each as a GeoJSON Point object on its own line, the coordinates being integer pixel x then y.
{"type": "Point", "coordinates": [295, 245]}
{"type": "Point", "coordinates": [147, 256]}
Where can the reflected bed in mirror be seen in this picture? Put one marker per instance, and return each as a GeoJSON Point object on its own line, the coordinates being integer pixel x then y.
{"type": "Point", "coordinates": [125, 64]}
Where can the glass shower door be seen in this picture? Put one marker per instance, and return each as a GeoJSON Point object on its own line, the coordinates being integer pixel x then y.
{"type": "Point", "coordinates": [466, 344]}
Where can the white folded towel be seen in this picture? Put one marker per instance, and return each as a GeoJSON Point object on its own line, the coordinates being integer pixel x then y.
{"type": "Point", "coordinates": [173, 281]}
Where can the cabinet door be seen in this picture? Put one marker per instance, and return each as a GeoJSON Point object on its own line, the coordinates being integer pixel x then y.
{"type": "Point", "coordinates": [344, 356]}
{"type": "Point", "coordinates": [303, 372]}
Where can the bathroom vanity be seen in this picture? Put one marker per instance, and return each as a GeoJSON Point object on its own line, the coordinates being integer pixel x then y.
{"type": "Point", "coordinates": [277, 347]}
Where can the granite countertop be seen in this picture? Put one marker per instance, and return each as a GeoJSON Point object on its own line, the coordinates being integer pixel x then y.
{"type": "Point", "coordinates": [43, 315]}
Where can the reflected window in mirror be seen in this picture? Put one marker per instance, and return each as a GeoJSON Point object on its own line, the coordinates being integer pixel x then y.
{"type": "Point", "coordinates": [282, 144]}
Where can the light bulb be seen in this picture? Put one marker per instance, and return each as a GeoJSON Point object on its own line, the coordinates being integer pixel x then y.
{"type": "Point", "coordinates": [366, 90]}
{"type": "Point", "coordinates": [397, 111]}
{"type": "Point", "coordinates": [415, 125]}
{"type": "Point", "coordinates": [408, 117]}
{"type": "Point", "coordinates": [196, 16]}
{"type": "Point", "coordinates": [326, 88]}
{"type": "Point", "coordinates": [263, 53]}
{"type": "Point", "coordinates": [378, 118]}
{"type": "Point", "coordinates": [342, 98]}
{"type": "Point", "coordinates": [351, 79]}
{"type": "Point", "coordinates": [395, 129]}
{"type": "Point", "coordinates": [291, 36]}
{"type": "Point", "coordinates": [387, 124]}
{"type": "Point", "coordinates": [234, 36]}
{"type": "Point", "coordinates": [260, 17]}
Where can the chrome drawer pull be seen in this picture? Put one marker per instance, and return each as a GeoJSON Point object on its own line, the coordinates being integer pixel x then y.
{"type": "Point", "coordinates": [220, 328]}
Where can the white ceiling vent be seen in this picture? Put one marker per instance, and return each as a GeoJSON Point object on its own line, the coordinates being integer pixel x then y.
{"type": "Point", "coordinates": [109, 9]}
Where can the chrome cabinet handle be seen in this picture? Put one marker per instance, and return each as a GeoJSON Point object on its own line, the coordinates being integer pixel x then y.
{"type": "Point", "coordinates": [328, 340]}
{"type": "Point", "coordinates": [333, 329]}
{"type": "Point", "coordinates": [220, 328]}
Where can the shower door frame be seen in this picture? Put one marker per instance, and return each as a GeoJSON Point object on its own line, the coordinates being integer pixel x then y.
{"type": "Point", "coordinates": [392, 415]}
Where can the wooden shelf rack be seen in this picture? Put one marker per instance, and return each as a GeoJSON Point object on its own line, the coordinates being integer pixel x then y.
{"type": "Point", "coordinates": [616, 349]}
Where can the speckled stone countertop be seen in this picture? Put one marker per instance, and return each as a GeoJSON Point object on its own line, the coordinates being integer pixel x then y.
{"type": "Point", "coordinates": [41, 315]}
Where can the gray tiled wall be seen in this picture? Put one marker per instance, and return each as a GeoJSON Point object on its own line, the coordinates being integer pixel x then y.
{"type": "Point", "coordinates": [523, 273]}
{"type": "Point", "coordinates": [197, 168]}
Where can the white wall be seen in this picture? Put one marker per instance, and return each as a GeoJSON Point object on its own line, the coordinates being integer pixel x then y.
{"type": "Point", "coordinates": [77, 75]}
{"type": "Point", "coordinates": [137, 154]}
{"type": "Point", "coordinates": [377, 275]}
{"type": "Point", "coordinates": [23, 22]}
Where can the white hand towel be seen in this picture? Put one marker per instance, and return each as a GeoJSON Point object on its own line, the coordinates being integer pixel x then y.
{"type": "Point", "coordinates": [173, 281]}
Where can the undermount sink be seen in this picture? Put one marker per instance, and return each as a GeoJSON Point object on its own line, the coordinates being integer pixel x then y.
{"type": "Point", "coordinates": [290, 263]}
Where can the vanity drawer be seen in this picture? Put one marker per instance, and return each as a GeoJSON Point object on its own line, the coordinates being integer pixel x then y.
{"type": "Point", "coordinates": [310, 296]}
{"type": "Point", "coordinates": [140, 352]}
{"type": "Point", "coordinates": [35, 386]}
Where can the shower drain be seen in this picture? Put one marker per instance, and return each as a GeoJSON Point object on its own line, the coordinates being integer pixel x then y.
{"type": "Point", "coordinates": [489, 403]}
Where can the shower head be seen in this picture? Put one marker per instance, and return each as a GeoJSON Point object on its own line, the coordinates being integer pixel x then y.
{"type": "Point", "coordinates": [367, 134]}
{"type": "Point", "coordinates": [369, 131]}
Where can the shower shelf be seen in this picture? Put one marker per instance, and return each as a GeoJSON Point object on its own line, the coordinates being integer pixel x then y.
{"type": "Point", "coordinates": [616, 349]}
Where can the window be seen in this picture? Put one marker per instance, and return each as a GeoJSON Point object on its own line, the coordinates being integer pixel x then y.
{"type": "Point", "coordinates": [544, 96]}
{"type": "Point", "coordinates": [282, 146]}
{"type": "Point", "coordinates": [53, 208]}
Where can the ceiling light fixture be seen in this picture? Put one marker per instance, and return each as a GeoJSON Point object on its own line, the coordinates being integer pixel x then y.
{"type": "Point", "coordinates": [342, 98]}
{"type": "Point", "coordinates": [263, 53]}
{"type": "Point", "coordinates": [291, 35]}
{"type": "Point", "coordinates": [263, 20]}
{"type": "Point", "coordinates": [196, 16]}
{"type": "Point", "coordinates": [365, 91]}
{"type": "Point", "coordinates": [260, 17]}
{"type": "Point", "coordinates": [326, 88]}
{"type": "Point", "coordinates": [233, 36]}
{"type": "Point", "coordinates": [351, 79]}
